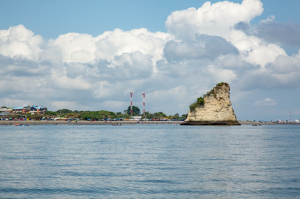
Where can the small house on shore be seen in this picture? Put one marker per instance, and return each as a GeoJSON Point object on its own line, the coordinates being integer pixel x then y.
{"type": "Point", "coordinates": [135, 118]}
{"type": "Point", "coordinates": [5, 110]}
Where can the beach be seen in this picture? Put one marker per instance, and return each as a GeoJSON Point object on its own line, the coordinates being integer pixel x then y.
{"type": "Point", "coordinates": [85, 122]}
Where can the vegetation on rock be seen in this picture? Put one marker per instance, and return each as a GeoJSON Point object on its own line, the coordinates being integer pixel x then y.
{"type": "Point", "coordinates": [200, 100]}
{"type": "Point", "coordinates": [221, 83]}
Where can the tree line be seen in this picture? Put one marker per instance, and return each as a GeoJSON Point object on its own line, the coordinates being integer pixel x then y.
{"type": "Point", "coordinates": [99, 115]}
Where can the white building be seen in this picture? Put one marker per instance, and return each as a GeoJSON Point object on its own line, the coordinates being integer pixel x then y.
{"type": "Point", "coordinates": [136, 118]}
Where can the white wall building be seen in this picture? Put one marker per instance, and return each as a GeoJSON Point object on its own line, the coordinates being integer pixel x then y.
{"type": "Point", "coordinates": [136, 118]}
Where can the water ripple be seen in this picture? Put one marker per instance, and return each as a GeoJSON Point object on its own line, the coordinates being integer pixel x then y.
{"type": "Point", "coordinates": [144, 161]}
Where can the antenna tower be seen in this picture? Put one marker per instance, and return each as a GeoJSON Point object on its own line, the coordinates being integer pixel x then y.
{"type": "Point", "coordinates": [131, 103]}
{"type": "Point", "coordinates": [144, 103]}
{"type": "Point", "coordinates": [290, 116]}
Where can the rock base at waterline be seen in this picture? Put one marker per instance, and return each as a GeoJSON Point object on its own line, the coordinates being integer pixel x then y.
{"type": "Point", "coordinates": [210, 123]}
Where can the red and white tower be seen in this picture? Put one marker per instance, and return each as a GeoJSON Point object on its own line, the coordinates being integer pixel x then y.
{"type": "Point", "coordinates": [144, 103]}
{"type": "Point", "coordinates": [131, 103]}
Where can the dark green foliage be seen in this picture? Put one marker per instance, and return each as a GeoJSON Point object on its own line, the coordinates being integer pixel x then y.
{"type": "Point", "coordinates": [135, 110]}
{"type": "Point", "coordinates": [193, 106]}
{"type": "Point", "coordinates": [221, 83]}
{"type": "Point", "coordinates": [92, 115]}
{"type": "Point", "coordinates": [51, 113]}
{"type": "Point", "coordinates": [198, 103]}
{"type": "Point", "coordinates": [160, 115]}
{"type": "Point", "coordinates": [200, 100]}
{"type": "Point", "coordinates": [209, 93]}
{"type": "Point", "coordinates": [184, 116]}
{"type": "Point", "coordinates": [156, 115]}
{"type": "Point", "coordinates": [97, 115]}
{"type": "Point", "coordinates": [62, 111]}
{"type": "Point", "coordinates": [121, 115]}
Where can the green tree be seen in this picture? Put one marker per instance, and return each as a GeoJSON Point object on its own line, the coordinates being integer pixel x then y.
{"type": "Point", "coordinates": [135, 110]}
{"type": "Point", "coordinates": [63, 111]}
{"type": "Point", "coordinates": [97, 115]}
{"type": "Point", "coordinates": [51, 113]}
{"type": "Point", "coordinates": [149, 115]}
{"type": "Point", "coordinates": [28, 115]}
{"type": "Point", "coordinates": [72, 115]}
{"type": "Point", "coordinates": [119, 115]}
{"type": "Point", "coordinates": [36, 116]}
{"type": "Point", "coordinates": [159, 115]}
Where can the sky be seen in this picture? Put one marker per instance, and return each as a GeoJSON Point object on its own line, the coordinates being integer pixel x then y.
{"type": "Point", "coordinates": [89, 55]}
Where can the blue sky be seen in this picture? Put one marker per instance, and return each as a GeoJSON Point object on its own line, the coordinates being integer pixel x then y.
{"type": "Point", "coordinates": [53, 18]}
{"type": "Point", "coordinates": [88, 55]}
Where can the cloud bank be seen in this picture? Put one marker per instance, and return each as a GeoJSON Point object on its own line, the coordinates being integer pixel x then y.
{"type": "Point", "coordinates": [202, 47]}
{"type": "Point", "coordinates": [265, 102]}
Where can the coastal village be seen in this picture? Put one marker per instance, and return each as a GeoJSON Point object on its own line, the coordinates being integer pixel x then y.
{"type": "Point", "coordinates": [37, 113]}
{"type": "Point", "coordinates": [40, 113]}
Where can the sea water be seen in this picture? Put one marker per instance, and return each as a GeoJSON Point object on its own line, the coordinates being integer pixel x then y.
{"type": "Point", "coordinates": [149, 161]}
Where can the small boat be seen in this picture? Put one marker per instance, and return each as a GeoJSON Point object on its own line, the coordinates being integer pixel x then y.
{"type": "Point", "coordinates": [254, 124]}
{"type": "Point", "coordinates": [18, 124]}
{"type": "Point", "coordinates": [25, 125]}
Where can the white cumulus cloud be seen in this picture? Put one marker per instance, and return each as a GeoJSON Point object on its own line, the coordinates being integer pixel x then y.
{"type": "Point", "coordinates": [212, 19]}
{"type": "Point", "coordinates": [266, 102]}
{"type": "Point", "coordinates": [19, 41]}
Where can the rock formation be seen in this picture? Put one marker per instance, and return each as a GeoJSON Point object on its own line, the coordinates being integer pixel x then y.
{"type": "Point", "coordinates": [213, 109]}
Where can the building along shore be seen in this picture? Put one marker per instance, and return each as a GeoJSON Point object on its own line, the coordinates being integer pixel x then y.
{"type": "Point", "coordinates": [85, 122]}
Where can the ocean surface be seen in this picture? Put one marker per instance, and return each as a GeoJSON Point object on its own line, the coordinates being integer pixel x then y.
{"type": "Point", "coordinates": [149, 161]}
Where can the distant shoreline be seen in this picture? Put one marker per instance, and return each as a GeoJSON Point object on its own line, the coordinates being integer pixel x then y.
{"type": "Point", "coordinates": [267, 123]}
{"type": "Point", "coordinates": [82, 122]}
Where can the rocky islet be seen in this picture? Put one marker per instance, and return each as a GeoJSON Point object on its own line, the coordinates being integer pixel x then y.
{"type": "Point", "coordinates": [215, 109]}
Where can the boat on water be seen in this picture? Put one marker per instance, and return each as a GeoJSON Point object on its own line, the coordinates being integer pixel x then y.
{"type": "Point", "coordinates": [254, 124]}
{"type": "Point", "coordinates": [21, 124]}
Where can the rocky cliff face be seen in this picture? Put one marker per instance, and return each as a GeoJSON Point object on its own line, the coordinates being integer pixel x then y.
{"type": "Point", "coordinates": [216, 109]}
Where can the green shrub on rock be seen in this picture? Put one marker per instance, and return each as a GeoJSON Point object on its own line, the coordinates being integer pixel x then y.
{"type": "Point", "coordinates": [221, 83]}
{"type": "Point", "coordinates": [200, 100]}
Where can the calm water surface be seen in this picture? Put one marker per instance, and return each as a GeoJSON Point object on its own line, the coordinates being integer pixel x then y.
{"type": "Point", "coordinates": [149, 161]}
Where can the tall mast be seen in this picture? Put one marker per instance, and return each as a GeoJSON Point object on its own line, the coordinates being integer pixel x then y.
{"type": "Point", "coordinates": [131, 103]}
{"type": "Point", "coordinates": [144, 103]}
